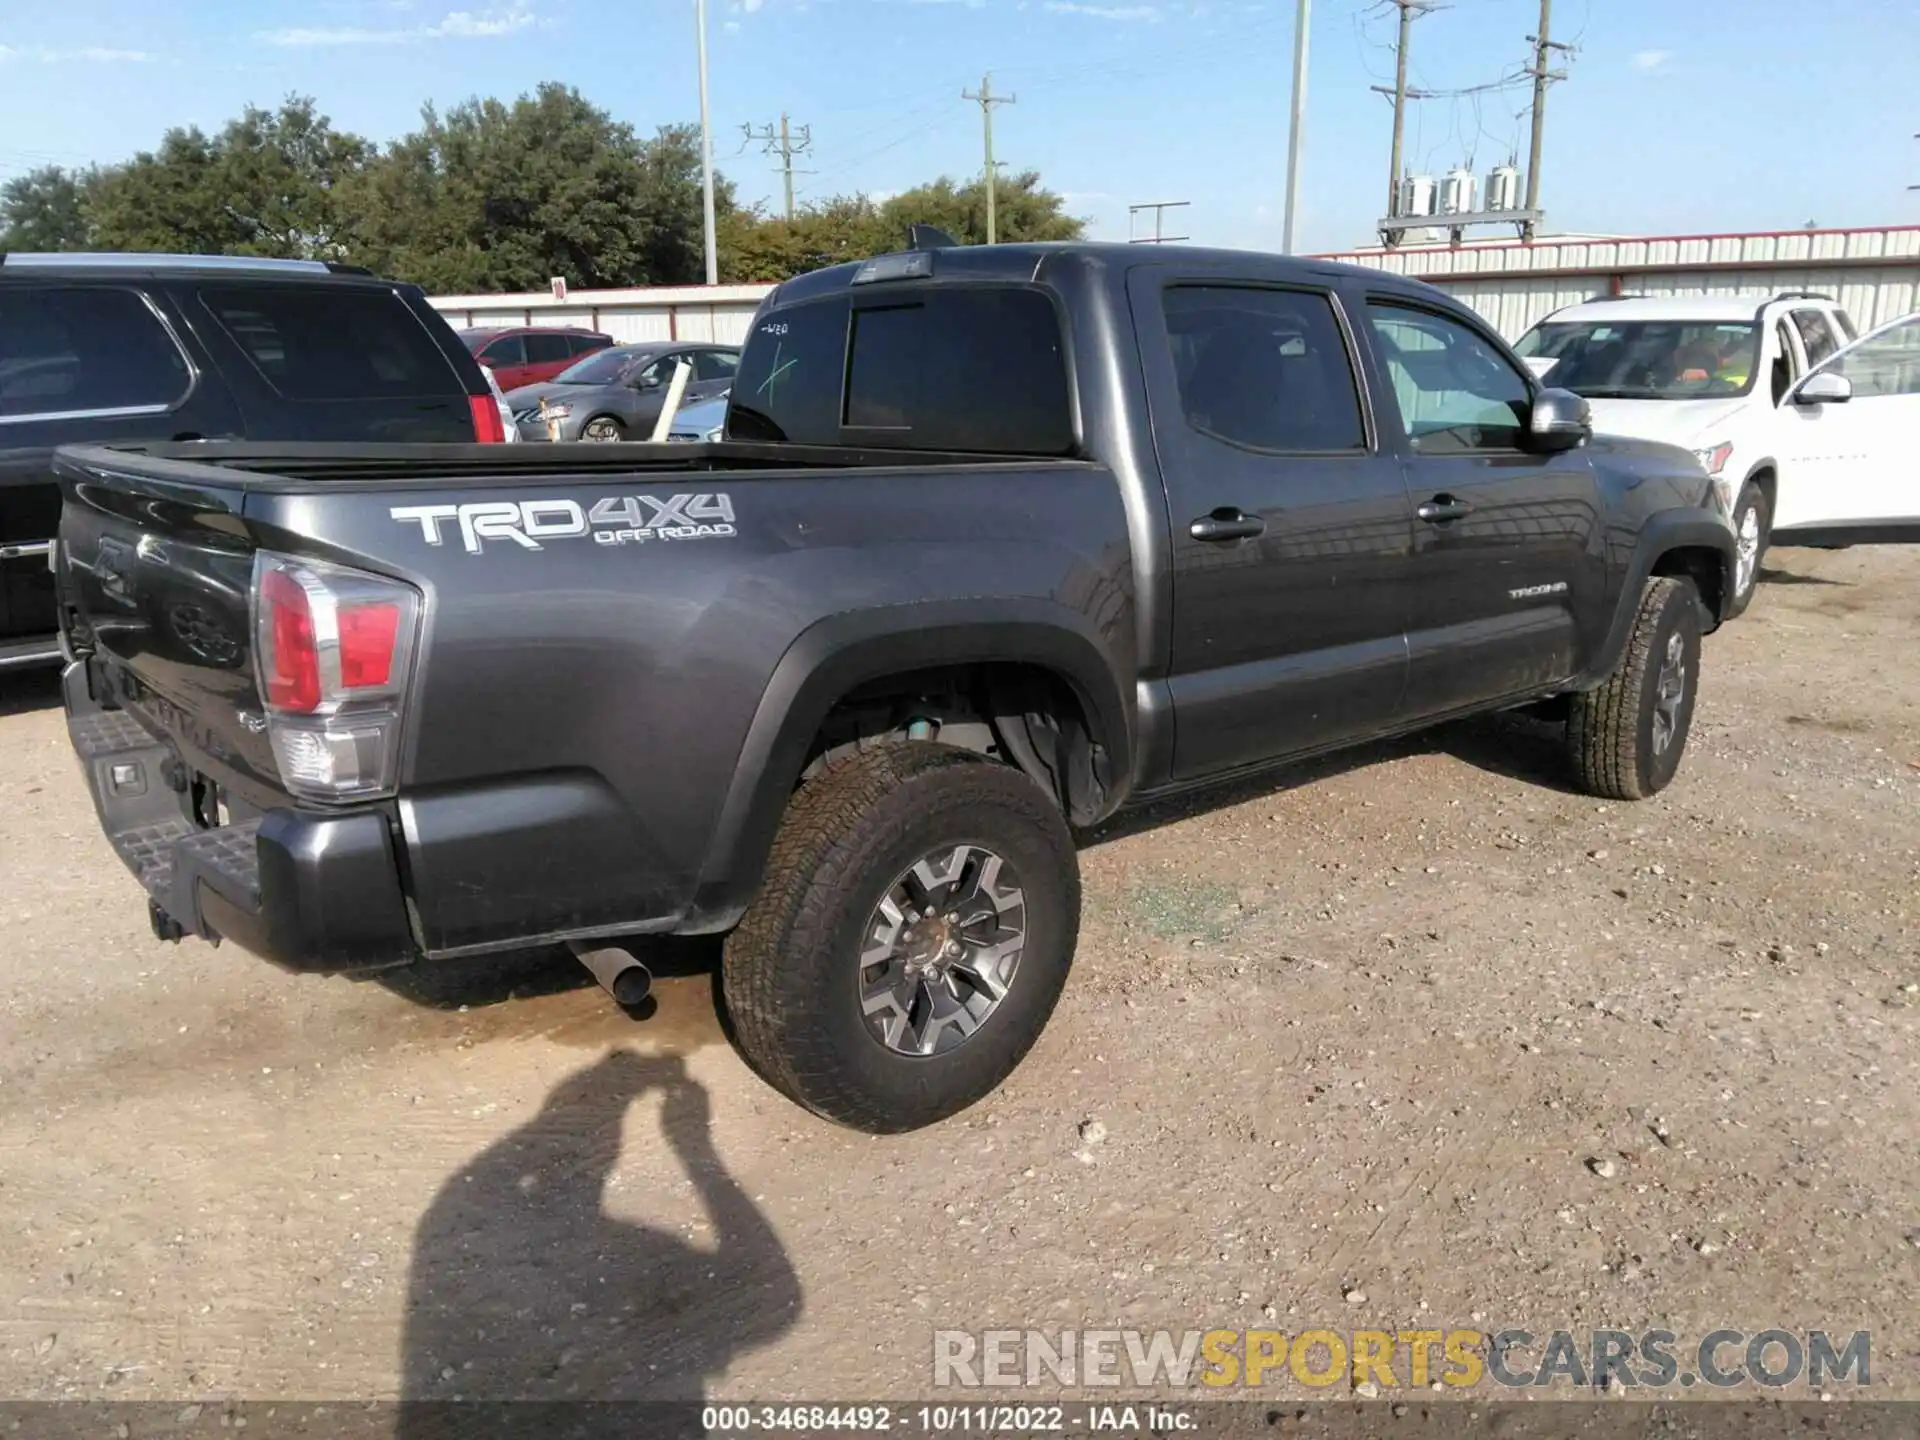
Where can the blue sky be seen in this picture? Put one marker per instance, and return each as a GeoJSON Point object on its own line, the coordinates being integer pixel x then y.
{"type": "Point", "coordinates": [1680, 116]}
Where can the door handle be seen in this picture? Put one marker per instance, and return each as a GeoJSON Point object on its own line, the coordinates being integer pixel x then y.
{"type": "Point", "coordinates": [1443, 508]}
{"type": "Point", "coordinates": [1227, 523]}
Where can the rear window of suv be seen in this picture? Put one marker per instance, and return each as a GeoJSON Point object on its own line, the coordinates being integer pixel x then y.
{"type": "Point", "coordinates": [333, 343]}
{"type": "Point", "coordinates": [977, 368]}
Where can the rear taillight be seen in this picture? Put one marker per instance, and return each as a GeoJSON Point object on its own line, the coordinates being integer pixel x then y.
{"type": "Point", "coordinates": [488, 427]}
{"type": "Point", "coordinates": [334, 648]}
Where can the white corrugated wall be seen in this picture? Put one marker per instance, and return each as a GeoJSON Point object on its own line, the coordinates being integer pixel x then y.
{"type": "Point", "coordinates": [1875, 274]}
{"type": "Point", "coordinates": [677, 313]}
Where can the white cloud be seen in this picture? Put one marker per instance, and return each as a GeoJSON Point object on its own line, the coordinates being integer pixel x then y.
{"type": "Point", "coordinates": [1123, 13]}
{"type": "Point", "coordinates": [90, 54]}
{"type": "Point", "coordinates": [1651, 59]}
{"type": "Point", "coordinates": [732, 27]}
{"type": "Point", "coordinates": [455, 25]}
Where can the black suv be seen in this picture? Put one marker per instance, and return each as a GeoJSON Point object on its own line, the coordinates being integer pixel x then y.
{"type": "Point", "coordinates": [118, 348]}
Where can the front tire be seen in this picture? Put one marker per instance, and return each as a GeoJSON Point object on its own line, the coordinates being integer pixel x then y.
{"type": "Point", "coordinates": [1752, 528]}
{"type": "Point", "coordinates": [1626, 737]}
{"type": "Point", "coordinates": [603, 428]}
{"type": "Point", "coordinates": [912, 935]}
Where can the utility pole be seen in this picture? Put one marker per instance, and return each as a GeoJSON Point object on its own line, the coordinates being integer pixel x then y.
{"type": "Point", "coordinates": [1543, 75]}
{"type": "Point", "coordinates": [1301, 16]}
{"type": "Point", "coordinates": [786, 145]}
{"type": "Point", "coordinates": [987, 100]}
{"type": "Point", "coordinates": [706, 151]}
{"type": "Point", "coordinates": [1409, 9]}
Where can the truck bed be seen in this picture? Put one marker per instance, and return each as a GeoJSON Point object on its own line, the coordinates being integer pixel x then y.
{"type": "Point", "coordinates": [618, 645]}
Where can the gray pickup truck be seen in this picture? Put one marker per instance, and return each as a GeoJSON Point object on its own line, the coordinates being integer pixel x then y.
{"type": "Point", "coordinates": [997, 541]}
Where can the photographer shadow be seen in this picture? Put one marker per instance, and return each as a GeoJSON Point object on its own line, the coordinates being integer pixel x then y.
{"type": "Point", "coordinates": [524, 1290]}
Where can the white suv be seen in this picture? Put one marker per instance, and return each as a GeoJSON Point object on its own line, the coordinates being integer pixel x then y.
{"type": "Point", "coordinates": [1706, 372]}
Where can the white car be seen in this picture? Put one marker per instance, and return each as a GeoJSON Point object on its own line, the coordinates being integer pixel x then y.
{"type": "Point", "coordinates": [705, 420]}
{"type": "Point", "coordinates": [1709, 373]}
{"type": "Point", "coordinates": [1849, 470]}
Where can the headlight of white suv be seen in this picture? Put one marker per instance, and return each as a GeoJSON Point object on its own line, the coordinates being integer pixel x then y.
{"type": "Point", "coordinates": [1713, 459]}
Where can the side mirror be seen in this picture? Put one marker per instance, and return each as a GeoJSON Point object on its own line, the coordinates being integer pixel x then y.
{"type": "Point", "coordinates": [1560, 420]}
{"type": "Point", "coordinates": [1824, 388]}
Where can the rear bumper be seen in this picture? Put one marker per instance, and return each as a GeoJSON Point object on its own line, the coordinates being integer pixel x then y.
{"type": "Point", "coordinates": [310, 892]}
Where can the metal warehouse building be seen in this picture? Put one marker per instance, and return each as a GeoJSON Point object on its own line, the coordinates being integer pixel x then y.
{"type": "Point", "coordinates": [1874, 273]}
{"type": "Point", "coordinates": [680, 312]}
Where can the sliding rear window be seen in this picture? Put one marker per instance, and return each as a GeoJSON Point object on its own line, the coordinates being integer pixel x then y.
{"type": "Point", "coordinates": [976, 368]}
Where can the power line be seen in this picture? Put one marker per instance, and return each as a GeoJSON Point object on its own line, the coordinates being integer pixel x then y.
{"type": "Point", "coordinates": [986, 99]}
{"type": "Point", "coordinates": [786, 145]}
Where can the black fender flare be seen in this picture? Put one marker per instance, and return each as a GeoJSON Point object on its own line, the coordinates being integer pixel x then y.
{"type": "Point", "coordinates": [837, 654]}
{"type": "Point", "coordinates": [1682, 528]}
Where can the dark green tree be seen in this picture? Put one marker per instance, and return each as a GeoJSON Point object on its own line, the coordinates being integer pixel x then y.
{"type": "Point", "coordinates": [1024, 209]}
{"type": "Point", "coordinates": [493, 197]}
{"type": "Point", "coordinates": [45, 209]}
{"type": "Point", "coordinates": [851, 227]}
{"type": "Point", "coordinates": [271, 183]}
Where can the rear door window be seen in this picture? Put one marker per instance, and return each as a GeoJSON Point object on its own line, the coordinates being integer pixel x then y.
{"type": "Point", "coordinates": [326, 343]}
{"type": "Point", "coordinates": [965, 367]}
{"type": "Point", "coordinates": [507, 350]}
{"type": "Point", "coordinates": [1267, 369]}
{"type": "Point", "coordinates": [85, 349]}
{"type": "Point", "coordinates": [587, 344]}
{"type": "Point", "coordinates": [547, 349]}
{"type": "Point", "coordinates": [715, 365]}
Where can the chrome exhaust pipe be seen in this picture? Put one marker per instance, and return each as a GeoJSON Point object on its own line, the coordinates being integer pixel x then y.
{"type": "Point", "coordinates": [620, 975]}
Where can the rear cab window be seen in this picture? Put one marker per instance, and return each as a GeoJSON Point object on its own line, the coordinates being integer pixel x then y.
{"type": "Point", "coordinates": [333, 343]}
{"type": "Point", "coordinates": [85, 350]}
{"type": "Point", "coordinates": [964, 367]}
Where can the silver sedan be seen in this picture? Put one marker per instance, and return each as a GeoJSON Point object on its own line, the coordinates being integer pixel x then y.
{"type": "Point", "coordinates": [617, 394]}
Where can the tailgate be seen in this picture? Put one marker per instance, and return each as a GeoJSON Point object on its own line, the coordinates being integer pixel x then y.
{"type": "Point", "coordinates": [155, 576]}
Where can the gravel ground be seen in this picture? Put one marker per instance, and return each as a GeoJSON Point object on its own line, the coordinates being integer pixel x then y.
{"type": "Point", "coordinates": [1413, 1038]}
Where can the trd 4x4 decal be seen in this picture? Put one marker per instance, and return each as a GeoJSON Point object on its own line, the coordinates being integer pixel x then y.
{"type": "Point", "coordinates": [615, 520]}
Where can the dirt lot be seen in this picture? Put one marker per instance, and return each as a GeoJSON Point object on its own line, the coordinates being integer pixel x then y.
{"type": "Point", "coordinates": [1366, 1029]}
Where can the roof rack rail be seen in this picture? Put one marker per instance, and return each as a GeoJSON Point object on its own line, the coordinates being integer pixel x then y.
{"type": "Point", "coordinates": [117, 260]}
{"type": "Point", "coordinates": [1805, 295]}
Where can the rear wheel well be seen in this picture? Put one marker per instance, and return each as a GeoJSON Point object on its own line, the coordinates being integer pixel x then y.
{"type": "Point", "coordinates": [1706, 569]}
{"type": "Point", "coordinates": [1023, 715]}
